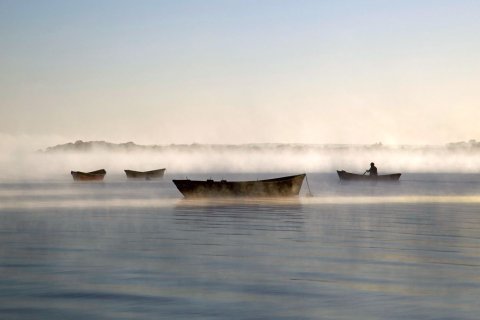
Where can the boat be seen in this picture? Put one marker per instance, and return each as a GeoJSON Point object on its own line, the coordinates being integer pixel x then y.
{"type": "Point", "coordinates": [147, 175]}
{"type": "Point", "coordinates": [344, 175]}
{"type": "Point", "coordinates": [279, 187]}
{"type": "Point", "coordinates": [89, 176]}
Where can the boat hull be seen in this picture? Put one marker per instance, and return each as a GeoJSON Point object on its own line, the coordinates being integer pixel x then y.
{"type": "Point", "coordinates": [97, 175]}
{"type": "Point", "coordinates": [147, 175]}
{"type": "Point", "coordinates": [347, 176]}
{"type": "Point", "coordinates": [279, 187]}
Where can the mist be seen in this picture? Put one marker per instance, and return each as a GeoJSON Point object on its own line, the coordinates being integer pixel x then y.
{"type": "Point", "coordinates": [29, 158]}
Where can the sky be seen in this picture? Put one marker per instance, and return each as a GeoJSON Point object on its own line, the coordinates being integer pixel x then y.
{"type": "Point", "coordinates": [160, 72]}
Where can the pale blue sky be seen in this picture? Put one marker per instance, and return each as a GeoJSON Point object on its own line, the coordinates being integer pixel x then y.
{"type": "Point", "coordinates": [241, 71]}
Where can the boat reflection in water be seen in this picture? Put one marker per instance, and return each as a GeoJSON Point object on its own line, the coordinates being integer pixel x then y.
{"type": "Point", "coordinates": [241, 216]}
{"type": "Point", "coordinates": [278, 187]}
{"type": "Point", "coordinates": [223, 202]}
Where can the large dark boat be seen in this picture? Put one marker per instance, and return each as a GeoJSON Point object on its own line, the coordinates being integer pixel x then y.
{"type": "Point", "coordinates": [147, 175]}
{"type": "Point", "coordinates": [88, 176]}
{"type": "Point", "coordinates": [278, 187]}
{"type": "Point", "coordinates": [344, 175]}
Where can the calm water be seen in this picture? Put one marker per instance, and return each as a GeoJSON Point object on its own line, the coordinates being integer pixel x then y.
{"type": "Point", "coordinates": [136, 250]}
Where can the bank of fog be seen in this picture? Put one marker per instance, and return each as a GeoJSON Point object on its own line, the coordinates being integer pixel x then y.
{"type": "Point", "coordinates": [38, 165]}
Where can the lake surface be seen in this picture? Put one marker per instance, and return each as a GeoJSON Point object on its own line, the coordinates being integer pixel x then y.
{"type": "Point", "coordinates": [137, 250]}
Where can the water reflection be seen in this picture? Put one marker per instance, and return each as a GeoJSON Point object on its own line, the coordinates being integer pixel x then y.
{"type": "Point", "coordinates": [129, 253]}
{"type": "Point", "coordinates": [241, 215]}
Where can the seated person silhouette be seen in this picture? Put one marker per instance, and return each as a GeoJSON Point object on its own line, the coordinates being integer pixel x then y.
{"type": "Point", "coordinates": [372, 170]}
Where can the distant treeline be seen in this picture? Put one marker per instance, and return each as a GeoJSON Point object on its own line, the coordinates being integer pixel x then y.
{"type": "Point", "coordinates": [471, 144]}
{"type": "Point", "coordinates": [89, 146]}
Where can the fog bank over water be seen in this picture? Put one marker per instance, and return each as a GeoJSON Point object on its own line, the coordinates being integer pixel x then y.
{"type": "Point", "coordinates": [25, 159]}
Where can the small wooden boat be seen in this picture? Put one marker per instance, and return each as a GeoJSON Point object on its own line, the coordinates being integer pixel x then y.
{"type": "Point", "coordinates": [278, 187]}
{"type": "Point", "coordinates": [89, 176]}
{"type": "Point", "coordinates": [147, 175]}
{"type": "Point", "coordinates": [344, 175]}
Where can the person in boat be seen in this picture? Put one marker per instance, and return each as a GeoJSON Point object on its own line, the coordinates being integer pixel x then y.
{"type": "Point", "coordinates": [372, 170]}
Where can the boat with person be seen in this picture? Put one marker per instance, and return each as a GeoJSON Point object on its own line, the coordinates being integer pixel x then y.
{"type": "Point", "coordinates": [347, 176]}
{"type": "Point", "coordinates": [288, 186]}
{"type": "Point", "coordinates": [96, 175]}
{"type": "Point", "coordinates": [147, 175]}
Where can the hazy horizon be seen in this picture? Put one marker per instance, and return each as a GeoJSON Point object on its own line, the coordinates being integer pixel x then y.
{"type": "Point", "coordinates": [36, 142]}
{"type": "Point", "coordinates": [22, 161]}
